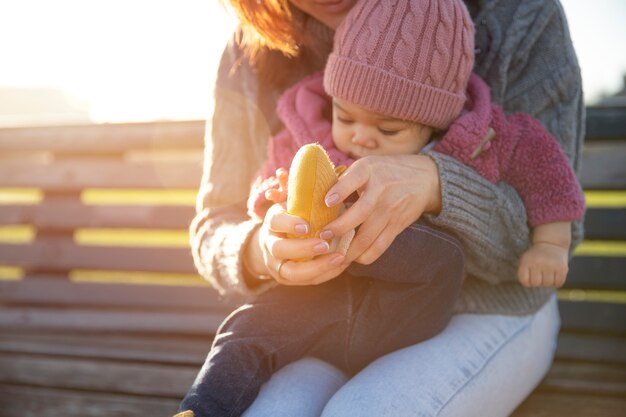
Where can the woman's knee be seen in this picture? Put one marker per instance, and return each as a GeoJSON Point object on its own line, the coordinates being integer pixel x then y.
{"type": "Point", "coordinates": [301, 389]}
{"type": "Point", "coordinates": [457, 372]}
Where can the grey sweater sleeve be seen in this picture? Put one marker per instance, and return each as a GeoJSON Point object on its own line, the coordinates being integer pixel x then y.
{"type": "Point", "coordinates": [535, 71]}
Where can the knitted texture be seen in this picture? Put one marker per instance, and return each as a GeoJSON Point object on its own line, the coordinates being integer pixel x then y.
{"type": "Point", "coordinates": [410, 60]}
{"type": "Point", "coordinates": [530, 66]}
{"type": "Point", "coordinates": [522, 153]}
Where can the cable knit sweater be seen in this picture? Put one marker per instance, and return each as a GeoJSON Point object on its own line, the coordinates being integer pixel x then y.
{"type": "Point", "coordinates": [521, 152]}
{"type": "Point", "coordinates": [523, 51]}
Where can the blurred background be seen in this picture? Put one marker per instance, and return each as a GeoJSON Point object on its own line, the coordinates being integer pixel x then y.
{"type": "Point", "coordinates": [77, 61]}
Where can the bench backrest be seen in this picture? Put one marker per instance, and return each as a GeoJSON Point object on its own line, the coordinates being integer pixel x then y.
{"type": "Point", "coordinates": [93, 232]}
{"type": "Point", "coordinates": [94, 229]}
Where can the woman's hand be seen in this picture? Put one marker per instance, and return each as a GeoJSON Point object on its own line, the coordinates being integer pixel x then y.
{"type": "Point", "coordinates": [269, 248]}
{"type": "Point", "coordinates": [394, 192]}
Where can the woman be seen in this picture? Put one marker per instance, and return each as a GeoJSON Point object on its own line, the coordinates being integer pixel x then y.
{"type": "Point", "coordinates": [503, 336]}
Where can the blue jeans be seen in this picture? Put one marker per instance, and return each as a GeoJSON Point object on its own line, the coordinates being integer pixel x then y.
{"type": "Point", "coordinates": [405, 297]}
{"type": "Point", "coordinates": [479, 366]}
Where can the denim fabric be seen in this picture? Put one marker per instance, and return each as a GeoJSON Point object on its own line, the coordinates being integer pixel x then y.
{"type": "Point", "coordinates": [405, 297]}
{"type": "Point", "coordinates": [481, 365]}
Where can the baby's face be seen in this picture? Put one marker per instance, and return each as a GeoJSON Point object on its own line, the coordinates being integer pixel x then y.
{"type": "Point", "coordinates": [358, 132]}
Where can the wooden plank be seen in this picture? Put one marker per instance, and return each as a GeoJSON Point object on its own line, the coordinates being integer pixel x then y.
{"type": "Point", "coordinates": [586, 378]}
{"type": "Point", "coordinates": [113, 321]}
{"type": "Point", "coordinates": [19, 401]}
{"type": "Point", "coordinates": [53, 291]}
{"type": "Point", "coordinates": [181, 349]}
{"type": "Point", "coordinates": [78, 173]}
{"type": "Point", "coordinates": [595, 317]}
{"type": "Point", "coordinates": [603, 165]}
{"type": "Point", "coordinates": [591, 347]}
{"type": "Point", "coordinates": [605, 123]}
{"type": "Point", "coordinates": [61, 254]}
{"type": "Point", "coordinates": [116, 377]}
{"type": "Point", "coordinates": [104, 138]}
{"type": "Point", "coordinates": [70, 214]}
{"type": "Point", "coordinates": [597, 272]}
{"type": "Point", "coordinates": [556, 404]}
{"type": "Point", "coordinates": [606, 223]}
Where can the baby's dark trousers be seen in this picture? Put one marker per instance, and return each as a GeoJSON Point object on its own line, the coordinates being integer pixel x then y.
{"type": "Point", "coordinates": [406, 296]}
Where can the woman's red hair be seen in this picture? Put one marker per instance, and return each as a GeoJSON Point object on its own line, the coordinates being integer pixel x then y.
{"type": "Point", "coordinates": [267, 24]}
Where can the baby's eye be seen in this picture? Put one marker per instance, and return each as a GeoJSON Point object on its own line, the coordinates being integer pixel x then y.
{"type": "Point", "coordinates": [388, 132]}
{"type": "Point", "coordinates": [345, 120]}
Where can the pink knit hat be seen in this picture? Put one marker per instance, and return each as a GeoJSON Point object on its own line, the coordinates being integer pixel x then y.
{"type": "Point", "coordinates": [408, 59]}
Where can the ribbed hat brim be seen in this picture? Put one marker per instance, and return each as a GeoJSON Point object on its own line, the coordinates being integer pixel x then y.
{"type": "Point", "coordinates": [382, 92]}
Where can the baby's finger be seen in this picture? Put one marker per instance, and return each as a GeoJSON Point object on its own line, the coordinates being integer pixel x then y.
{"type": "Point", "coordinates": [275, 196]}
{"type": "Point", "coordinates": [536, 277]}
{"type": "Point", "coordinates": [548, 278]}
{"type": "Point", "coordinates": [523, 274]}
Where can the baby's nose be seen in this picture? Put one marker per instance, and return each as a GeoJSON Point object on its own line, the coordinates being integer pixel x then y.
{"type": "Point", "coordinates": [364, 139]}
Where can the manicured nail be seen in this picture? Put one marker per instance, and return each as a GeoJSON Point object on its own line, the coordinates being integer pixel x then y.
{"type": "Point", "coordinates": [337, 260]}
{"type": "Point", "coordinates": [326, 235]}
{"type": "Point", "coordinates": [331, 200]}
{"type": "Point", "coordinates": [302, 228]}
{"type": "Point", "coordinates": [322, 247]}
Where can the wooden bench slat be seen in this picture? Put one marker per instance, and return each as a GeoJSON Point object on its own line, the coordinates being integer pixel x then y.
{"type": "Point", "coordinates": [603, 165]}
{"type": "Point", "coordinates": [104, 138]}
{"type": "Point", "coordinates": [116, 377]}
{"type": "Point", "coordinates": [586, 378]}
{"type": "Point", "coordinates": [60, 254]}
{"type": "Point", "coordinates": [47, 290]}
{"type": "Point", "coordinates": [596, 272]}
{"type": "Point", "coordinates": [588, 316]}
{"type": "Point", "coordinates": [605, 123]}
{"type": "Point", "coordinates": [69, 215]}
{"type": "Point", "coordinates": [556, 404]}
{"type": "Point", "coordinates": [605, 224]}
{"type": "Point", "coordinates": [591, 347]}
{"type": "Point", "coordinates": [78, 174]}
{"type": "Point", "coordinates": [602, 168]}
{"type": "Point", "coordinates": [114, 321]}
{"type": "Point", "coordinates": [179, 350]}
{"type": "Point", "coordinates": [24, 401]}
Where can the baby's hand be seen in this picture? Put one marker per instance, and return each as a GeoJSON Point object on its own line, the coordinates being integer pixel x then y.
{"type": "Point", "coordinates": [543, 265]}
{"type": "Point", "coordinates": [279, 195]}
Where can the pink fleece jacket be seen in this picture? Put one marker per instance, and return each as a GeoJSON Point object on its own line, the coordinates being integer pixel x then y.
{"type": "Point", "coordinates": [522, 152]}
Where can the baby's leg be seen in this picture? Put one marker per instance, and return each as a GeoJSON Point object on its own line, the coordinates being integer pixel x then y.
{"type": "Point", "coordinates": [259, 338]}
{"type": "Point", "coordinates": [416, 255]}
{"type": "Point", "coordinates": [411, 300]}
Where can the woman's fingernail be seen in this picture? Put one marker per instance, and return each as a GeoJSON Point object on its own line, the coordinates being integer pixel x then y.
{"type": "Point", "coordinates": [326, 235]}
{"type": "Point", "coordinates": [337, 260]}
{"type": "Point", "coordinates": [302, 228]}
{"type": "Point", "coordinates": [331, 200]}
{"type": "Point", "coordinates": [321, 247]}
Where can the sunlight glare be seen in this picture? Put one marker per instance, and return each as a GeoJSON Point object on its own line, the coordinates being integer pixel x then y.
{"type": "Point", "coordinates": [126, 60]}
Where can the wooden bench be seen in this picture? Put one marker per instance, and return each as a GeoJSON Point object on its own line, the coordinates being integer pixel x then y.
{"type": "Point", "coordinates": [102, 313]}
